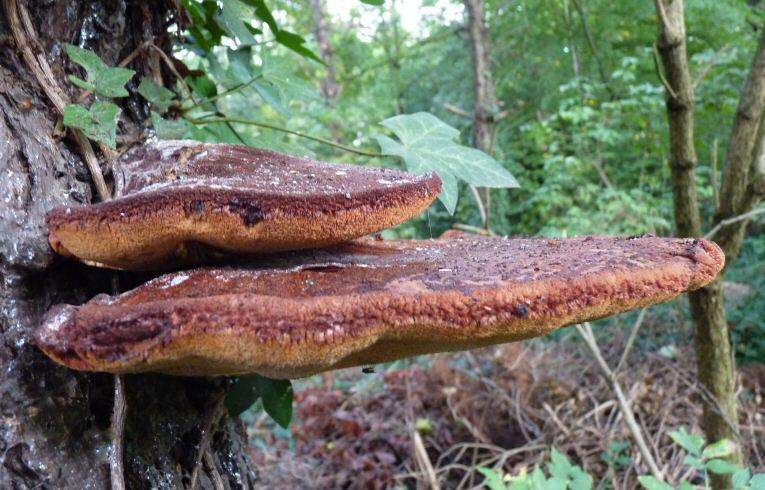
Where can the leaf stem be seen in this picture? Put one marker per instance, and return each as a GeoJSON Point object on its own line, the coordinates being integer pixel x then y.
{"type": "Point", "coordinates": [225, 93]}
{"type": "Point", "coordinates": [274, 127]}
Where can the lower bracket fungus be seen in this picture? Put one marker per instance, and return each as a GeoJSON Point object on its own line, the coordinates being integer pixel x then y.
{"type": "Point", "coordinates": [180, 199]}
{"type": "Point", "coordinates": [364, 302]}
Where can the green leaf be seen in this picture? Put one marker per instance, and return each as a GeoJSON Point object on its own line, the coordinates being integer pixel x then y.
{"type": "Point", "coordinates": [721, 466]}
{"type": "Point", "coordinates": [160, 97]}
{"type": "Point", "coordinates": [277, 398]}
{"type": "Point", "coordinates": [684, 485]}
{"type": "Point", "coordinates": [493, 480]}
{"type": "Point", "coordinates": [719, 449]}
{"type": "Point", "coordinates": [559, 465]}
{"type": "Point", "coordinates": [296, 43]}
{"type": "Point", "coordinates": [99, 123]}
{"type": "Point", "coordinates": [580, 480]}
{"type": "Point", "coordinates": [741, 478]}
{"type": "Point", "coordinates": [758, 482]}
{"type": "Point", "coordinates": [275, 393]}
{"type": "Point", "coordinates": [101, 78]}
{"type": "Point", "coordinates": [693, 461]}
{"type": "Point", "coordinates": [167, 129]}
{"type": "Point", "coordinates": [376, 3]}
{"type": "Point", "coordinates": [242, 395]}
{"type": "Point", "coordinates": [687, 441]}
{"type": "Point", "coordinates": [651, 483]}
{"type": "Point", "coordinates": [427, 145]}
{"type": "Point", "coordinates": [233, 18]}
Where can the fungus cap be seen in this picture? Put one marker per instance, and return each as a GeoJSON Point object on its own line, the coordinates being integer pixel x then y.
{"type": "Point", "coordinates": [183, 199]}
{"type": "Point", "coordinates": [368, 301]}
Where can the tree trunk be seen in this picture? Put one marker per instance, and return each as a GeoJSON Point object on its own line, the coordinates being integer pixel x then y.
{"type": "Point", "coordinates": [485, 101]}
{"type": "Point", "coordinates": [743, 186]}
{"type": "Point", "coordinates": [329, 86]}
{"type": "Point", "coordinates": [55, 426]}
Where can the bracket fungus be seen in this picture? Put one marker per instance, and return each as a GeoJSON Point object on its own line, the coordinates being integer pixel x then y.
{"type": "Point", "coordinates": [363, 302]}
{"type": "Point", "coordinates": [181, 199]}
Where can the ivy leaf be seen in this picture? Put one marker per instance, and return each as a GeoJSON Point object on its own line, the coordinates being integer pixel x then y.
{"type": "Point", "coordinates": [297, 44]}
{"type": "Point", "coordinates": [687, 441]}
{"type": "Point", "coordinates": [758, 482]}
{"type": "Point", "coordinates": [492, 479]}
{"type": "Point", "coordinates": [741, 478]}
{"type": "Point", "coordinates": [242, 395]}
{"type": "Point", "coordinates": [651, 483]}
{"type": "Point", "coordinates": [98, 123]}
{"type": "Point", "coordinates": [721, 466]}
{"type": "Point", "coordinates": [101, 78]}
{"type": "Point", "coordinates": [233, 19]}
{"type": "Point", "coordinates": [426, 144]}
{"type": "Point", "coordinates": [276, 395]}
{"type": "Point", "coordinates": [277, 398]}
{"type": "Point", "coordinates": [719, 449]}
{"type": "Point", "coordinates": [559, 466]}
{"type": "Point", "coordinates": [168, 129]}
{"type": "Point", "coordinates": [160, 97]}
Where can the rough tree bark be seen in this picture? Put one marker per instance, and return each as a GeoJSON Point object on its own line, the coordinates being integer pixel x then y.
{"type": "Point", "coordinates": [742, 190]}
{"type": "Point", "coordinates": [484, 99]}
{"type": "Point", "coordinates": [329, 86]}
{"type": "Point", "coordinates": [55, 424]}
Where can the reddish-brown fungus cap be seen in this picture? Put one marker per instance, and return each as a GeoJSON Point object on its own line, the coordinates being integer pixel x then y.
{"type": "Point", "coordinates": [369, 301]}
{"type": "Point", "coordinates": [173, 196]}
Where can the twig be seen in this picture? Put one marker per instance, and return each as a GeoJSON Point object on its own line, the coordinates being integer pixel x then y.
{"type": "Point", "coordinates": [420, 453]}
{"type": "Point", "coordinates": [213, 469]}
{"type": "Point", "coordinates": [23, 31]}
{"type": "Point", "coordinates": [458, 110]}
{"type": "Point", "coordinates": [706, 69]}
{"type": "Point", "coordinates": [713, 175]}
{"type": "Point", "coordinates": [173, 70]}
{"type": "Point", "coordinates": [630, 340]}
{"type": "Point", "coordinates": [659, 73]}
{"type": "Point", "coordinates": [284, 130]}
{"type": "Point", "coordinates": [216, 413]}
{"type": "Point", "coordinates": [735, 219]}
{"type": "Point", "coordinates": [586, 332]}
{"type": "Point", "coordinates": [225, 93]}
{"type": "Point", "coordinates": [116, 465]}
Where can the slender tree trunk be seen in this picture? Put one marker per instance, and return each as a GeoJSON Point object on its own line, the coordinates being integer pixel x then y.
{"type": "Point", "coordinates": [329, 86]}
{"type": "Point", "coordinates": [485, 101]}
{"type": "Point", "coordinates": [55, 426]}
{"type": "Point", "coordinates": [743, 186]}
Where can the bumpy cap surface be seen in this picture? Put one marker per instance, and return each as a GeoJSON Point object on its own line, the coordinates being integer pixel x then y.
{"type": "Point", "coordinates": [182, 199]}
{"type": "Point", "coordinates": [370, 301]}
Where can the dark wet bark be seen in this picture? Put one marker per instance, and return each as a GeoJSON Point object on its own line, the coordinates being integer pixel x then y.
{"type": "Point", "coordinates": [55, 423]}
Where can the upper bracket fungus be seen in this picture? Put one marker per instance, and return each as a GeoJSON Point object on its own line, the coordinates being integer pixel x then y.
{"type": "Point", "coordinates": [175, 199]}
{"type": "Point", "coordinates": [367, 301]}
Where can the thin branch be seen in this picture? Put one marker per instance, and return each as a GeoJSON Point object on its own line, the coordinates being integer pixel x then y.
{"type": "Point", "coordinates": [659, 73]}
{"type": "Point", "coordinates": [662, 14]}
{"type": "Point", "coordinates": [225, 93]}
{"type": "Point", "coordinates": [274, 127]}
{"type": "Point", "coordinates": [24, 35]}
{"type": "Point", "coordinates": [730, 221]}
{"type": "Point", "coordinates": [173, 70]}
{"type": "Point", "coordinates": [708, 67]}
{"type": "Point", "coordinates": [458, 110]}
{"type": "Point", "coordinates": [631, 340]}
{"type": "Point", "coordinates": [586, 332]}
{"type": "Point", "coordinates": [216, 414]}
{"type": "Point", "coordinates": [593, 47]}
{"type": "Point", "coordinates": [116, 464]}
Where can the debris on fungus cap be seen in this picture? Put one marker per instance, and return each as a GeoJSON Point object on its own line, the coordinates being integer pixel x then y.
{"type": "Point", "coordinates": [367, 301]}
{"type": "Point", "coordinates": [176, 199]}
